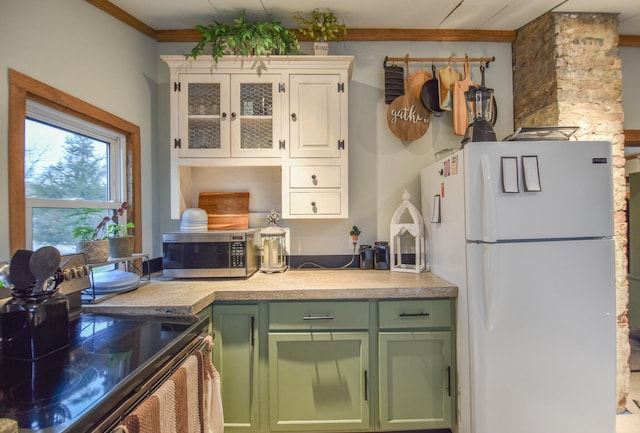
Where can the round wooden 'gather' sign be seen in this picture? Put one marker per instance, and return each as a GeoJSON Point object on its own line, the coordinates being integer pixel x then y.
{"type": "Point", "coordinates": [407, 118]}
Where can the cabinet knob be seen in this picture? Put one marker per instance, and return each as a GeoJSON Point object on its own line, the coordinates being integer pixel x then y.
{"type": "Point", "coordinates": [233, 115]}
{"type": "Point", "coordinates": [224, 115]}
{"type": "Point", "coordinates": [293, 117]}
{"type": "Point", "coordinates": [314, 179]}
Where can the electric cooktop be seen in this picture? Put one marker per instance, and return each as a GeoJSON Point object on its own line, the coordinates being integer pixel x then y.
{"type": "Point", "coordinates": [72, 389]}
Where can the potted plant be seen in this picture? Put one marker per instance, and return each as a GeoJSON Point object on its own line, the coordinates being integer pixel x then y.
{"type": "Point", "coordinates": [321, 27]}
{"type": "Point", "coordinates": [108, 238]}
{"type": "Point", "coordinates": [94, 248]}
{"type": "Point", "coordinates": [245, 38]}
{"type": "Point", "coordinates": [120, 242]}
{"type": "Point", "coordinates": [355, 232]}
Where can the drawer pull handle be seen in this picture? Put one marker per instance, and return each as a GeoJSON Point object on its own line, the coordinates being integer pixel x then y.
{"type": "Point", "coordinates": [366, 386]}
{"type": "Point", "coordinates": [317, 317]}
{"type": "Point", "coordinates": [253, 331]}
{"type": "Point", "coordinates": [293, 117]}
{"type": "Point", "coordinates": [314, 179]}
{"type": "Point", "coordinates": [413, 314]}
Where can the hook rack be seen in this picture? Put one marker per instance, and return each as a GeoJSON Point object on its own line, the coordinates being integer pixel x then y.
{"type": "Point", "coordinates": [407, 59]}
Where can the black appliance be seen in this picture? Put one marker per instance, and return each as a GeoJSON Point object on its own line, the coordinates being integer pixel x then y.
{"type": "Point", "coordinates": [112, 362]}
{"type": "Point", "coordinates": [481, 113]}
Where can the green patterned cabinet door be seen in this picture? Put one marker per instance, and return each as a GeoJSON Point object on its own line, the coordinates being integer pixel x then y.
{"type": "Point", "coordinates": [235, 356]}
{"type": "Point", "coordinates": [318, 381]}
{"type": "Point", "coordinates": [416, 380]}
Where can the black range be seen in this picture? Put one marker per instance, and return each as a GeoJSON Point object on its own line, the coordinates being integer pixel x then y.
{"type": "Point", "coordinates": [111, 362]}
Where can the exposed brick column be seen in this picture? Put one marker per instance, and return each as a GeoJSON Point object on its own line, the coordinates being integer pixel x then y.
{"type": "Point", "coordinates": [567, 72]}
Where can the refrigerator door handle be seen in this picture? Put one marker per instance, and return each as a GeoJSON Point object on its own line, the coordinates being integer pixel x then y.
{"type": "Point", "coordinates": [489, 284]}
{"type": "Point", "coordinates": [488, 202]}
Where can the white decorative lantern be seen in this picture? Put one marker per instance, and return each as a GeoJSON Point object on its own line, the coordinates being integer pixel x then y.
{"type": "Point", "coordinates": [407, 236]}
{"type": "Point", "coordinates": [274, 258]}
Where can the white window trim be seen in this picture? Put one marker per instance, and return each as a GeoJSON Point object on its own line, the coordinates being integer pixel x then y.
{"type": "Point", "coordinates": [117, 163]}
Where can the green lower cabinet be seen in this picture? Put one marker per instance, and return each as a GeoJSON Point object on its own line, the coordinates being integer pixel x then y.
{"type": "Point", "coordinates": [415, 380]}
{"type": "Point", "coordinates": [336, 366]}
{"type": "Point", "coordinates": [318, 381]}
{"type": "Point", "coordinates": [235, 356]}
{"type": "Point", "coordinates": [208, 312]}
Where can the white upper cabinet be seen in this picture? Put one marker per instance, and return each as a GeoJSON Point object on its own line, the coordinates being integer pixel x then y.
{"type": "Point", "coordinates": [255, 130]}
{"type": "Point", "coordinates": [281, 111]}
{"type": "Point", "coordinates": [202, 115]}
{"type": "Point", "coordinates": [222, 115]}
{"type": "Point", "coordinates": [316, 116]}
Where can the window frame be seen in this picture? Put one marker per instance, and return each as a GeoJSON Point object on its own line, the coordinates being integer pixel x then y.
{"type": "Point", "coordinates": [23, 88]}
{"type": "Point", "coordinates": [115, 172]}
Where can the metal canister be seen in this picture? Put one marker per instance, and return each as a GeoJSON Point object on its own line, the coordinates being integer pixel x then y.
{"type": "Point", "coordinates": [381, 255]}
{"type": "Point", "coordinates": [366, 257]}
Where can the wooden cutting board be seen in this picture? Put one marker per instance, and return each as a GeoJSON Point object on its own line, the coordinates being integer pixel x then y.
{"type": "Point", "coordinates": [407, 118]}
{"type": "Point", "coordinates": [226, 210]}
{"type": "Point", "coordinates": [416, 81]}
{"type": "Point", "coordinates": [447, 77]}
{"type": "Point", "coordinates": [460, 117]}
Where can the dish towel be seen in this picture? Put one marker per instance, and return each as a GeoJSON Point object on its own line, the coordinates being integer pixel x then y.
{"type": "Point", "coordinates": [188, 402]}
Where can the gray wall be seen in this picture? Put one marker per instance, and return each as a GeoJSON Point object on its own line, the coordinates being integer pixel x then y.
{"type": "Point", "coordinates": [79, 49]}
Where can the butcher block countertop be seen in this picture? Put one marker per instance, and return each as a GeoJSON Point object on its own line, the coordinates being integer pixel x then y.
{"type": "Point", "coordinates": [188, 296]}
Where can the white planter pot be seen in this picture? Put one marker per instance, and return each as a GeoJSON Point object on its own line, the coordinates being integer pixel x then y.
{"type": "Point", "coordinates": [321, 48]}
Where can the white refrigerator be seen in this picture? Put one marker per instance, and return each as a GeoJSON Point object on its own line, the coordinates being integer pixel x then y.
{"type": "Point", "coordinates": [525, 230]}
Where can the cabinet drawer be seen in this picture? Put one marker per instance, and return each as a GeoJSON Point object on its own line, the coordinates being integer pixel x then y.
{"type": "Point", "coordinates": [314, 176]}
{"type": "Point", "coordinates": [318, 315]}
{"type": "Point", "coordinates": [418, 313]}
{"type": "Point", "coordinates": [314, 203]}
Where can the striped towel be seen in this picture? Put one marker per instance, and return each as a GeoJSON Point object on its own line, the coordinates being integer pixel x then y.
{"type": "Point", "coordinates": [213, 418]}
{"type": "Point", "coordinates": [188, 402]}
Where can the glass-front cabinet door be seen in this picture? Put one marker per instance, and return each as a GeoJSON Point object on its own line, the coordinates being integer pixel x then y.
{"type": "Point", "coordinates": [230, 115]}
{"type": "Point", "coordinates": [256, 129]}
{"type": "Point", "coordinates": [204, 120]}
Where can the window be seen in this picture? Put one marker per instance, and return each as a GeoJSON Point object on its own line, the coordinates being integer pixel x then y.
{"type": "Point", "coordinates": [111, 143]}
{"type": "Point", "coordinates": [71, 166]}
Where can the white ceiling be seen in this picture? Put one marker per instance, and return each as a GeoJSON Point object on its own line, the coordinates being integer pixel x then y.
{"type": "Point", "coordinates": [399, 14]}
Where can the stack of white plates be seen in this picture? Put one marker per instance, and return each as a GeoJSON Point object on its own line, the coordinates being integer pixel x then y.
{"type": "Point", "coordinates": [194, 220]}
{"type": "Point", "coordinates": [114, 282]}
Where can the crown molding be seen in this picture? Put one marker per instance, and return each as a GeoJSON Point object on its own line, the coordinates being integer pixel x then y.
{"type": "Point", "coordinates": [632, 137]}
{"type": "Point", "coordinates": [629, 40]}
{"type": "Point", "coordinates": [355, 34]}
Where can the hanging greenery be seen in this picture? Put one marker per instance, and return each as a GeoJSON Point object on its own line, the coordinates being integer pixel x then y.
{"type": "Point", "coordinates": [245, 38]}
{"type": "Point", "coordinates": [321, 26]}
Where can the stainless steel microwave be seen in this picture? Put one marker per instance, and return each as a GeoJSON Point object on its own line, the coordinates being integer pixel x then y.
{"type": "Point", "coordinates": [211, 254]}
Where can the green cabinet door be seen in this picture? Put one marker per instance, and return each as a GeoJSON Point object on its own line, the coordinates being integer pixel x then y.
{"type": "Point", "coordinates": [235, 356]}
{"type": "Point", "coordinates": [318, 381]}
{"type": "Point", "coordinates": [415, 380]}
